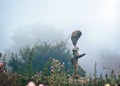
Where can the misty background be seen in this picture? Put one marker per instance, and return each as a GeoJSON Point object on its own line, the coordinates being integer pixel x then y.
{"type": "Point", "coordinates": [24, 22]}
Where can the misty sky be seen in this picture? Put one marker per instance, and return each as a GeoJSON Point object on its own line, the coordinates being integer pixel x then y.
{"type": "Point", "coordinates": [99, 20]}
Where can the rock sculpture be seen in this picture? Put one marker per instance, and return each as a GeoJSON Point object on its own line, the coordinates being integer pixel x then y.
{"type": "Point", "coordinates": [74, 37]}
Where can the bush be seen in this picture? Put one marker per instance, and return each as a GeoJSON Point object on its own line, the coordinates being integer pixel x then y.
{"type": "Point", "coordinates": [32, 60]}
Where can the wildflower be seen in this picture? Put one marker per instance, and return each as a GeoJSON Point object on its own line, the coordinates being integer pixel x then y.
{"type": "Point", "coordinates": [20, 75]}
{"type": "Point", "coordinates": [68, 76]}
{"type": "Point", "coordinates": [57, 61]}
{"type": "Point", "coordinates": [52, 71]}
{"type": "Point", "coordinates": [56, 66]}
{"type": "Point", "coordinates": [31, 84]}
{"type": "Point", "coordinates": [107, 84]}
{"type": "Point", "coordinates": [42, 85]}
{"type": "Point", "coordinates": [45, 77]}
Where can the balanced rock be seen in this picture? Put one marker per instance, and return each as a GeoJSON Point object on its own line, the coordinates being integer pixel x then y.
{"type": "Point", "coordinates": [75, 36]}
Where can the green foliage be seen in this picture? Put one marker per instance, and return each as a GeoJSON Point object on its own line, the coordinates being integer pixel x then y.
{"type": "Point", "coordinates": [32, 60]}
{"type": "Point", "coordinates": [100, 80]}
{"type": "Point", "coordinates": [112, 79]}
{"type": "Point", "coordinates": [36, 64]}
{"type": "Point", "coordinates": [16, 64]}
{"type": "Point", "coordinates": [55, 77]}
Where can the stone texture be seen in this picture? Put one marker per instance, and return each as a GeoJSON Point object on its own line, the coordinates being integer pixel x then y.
{"type": "Point", "coordinates": [75, 36]}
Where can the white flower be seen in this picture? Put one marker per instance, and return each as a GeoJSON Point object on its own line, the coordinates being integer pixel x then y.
{"type": "Point", "coordinates": [41, 85]}
{"type": "Point", "coordinates": [31, 84]}
{"type": "Point", "coordinates": [107, 84]}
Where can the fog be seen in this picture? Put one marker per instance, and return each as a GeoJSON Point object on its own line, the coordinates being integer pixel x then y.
{"type": "Point", "coordinates": [30, 34]}
{"type": "Point", "coordinates": [27, 21]}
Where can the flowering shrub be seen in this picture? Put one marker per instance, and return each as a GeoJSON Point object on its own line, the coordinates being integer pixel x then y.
{"type": "Point", "coordinates": [54, 75]}
{"type": "Point", "coordinates": [57, 74]}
